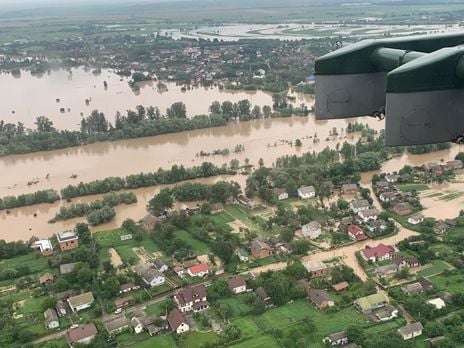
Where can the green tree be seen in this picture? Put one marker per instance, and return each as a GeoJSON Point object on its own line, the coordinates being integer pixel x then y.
{"type": "Point", "coordinates": [177, 110]}
{"type": "Point", "coordinates": [162, 201]}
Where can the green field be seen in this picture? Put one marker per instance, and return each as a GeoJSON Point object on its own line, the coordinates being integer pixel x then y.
{"type": "Point", "coordinates": [437, 267]}
{"type": "Point", "coordinates": [199, 247]}
{"type": "Point", "coordinates": [413, 187]}
{"type": "Point", "coordinates": [162, 341]}
{"type": "Point", "coordinates": [196, 339]}
{"type": "Point", "coordinates": [449, 282]}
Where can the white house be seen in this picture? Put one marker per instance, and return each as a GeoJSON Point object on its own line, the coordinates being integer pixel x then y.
{"type": "Point", "coordinates": [387, 196]}
{"type": "Point", "coordinates": [437, 302]}
{"type": "Point", "coordinates": [51, 319]}
{"type": "Point", "coordinates": [150, 276]}
{"type": "Point", "coordinates": [177, 321]}
{"type": "Point", "coordinates": [391, 178]}
{"type": "Point", "coordinates": [336, 339]}
{"type": "Point", "coordinates": [243, 255]}
{"type": "Point", "coordinates": [237, 285]}
{"type": "Point", "coordinates": [199, 270]}
{"type": "Point", "coordinates": [280, 193]}
{"type": "Point", "coordinates": [410, 331]}
{"type": "Point", "coordinates": [312, 230]}
{"type": "Point", "coordinates": [80, 302]}
{"type": "Point", "coordinates": [44, 246]}
{"type": "Point", "coordinates": [192, 298]}
{"type": "Point", "coordinates": [368, 214]}
{"type": "Point", "coordinates": [160, 265]}
{"type": "Point", "coordinates": [306, 192]}
{"type": "Point", "coordinates": [359, 205]}
{"type": "Point", "coordinates": [416, 219]}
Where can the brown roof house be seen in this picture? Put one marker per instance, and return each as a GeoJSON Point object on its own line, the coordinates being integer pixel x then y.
{"type": "Point", "coordinates": [83, 334]}
{"type": "Point", "coordinates": [116, 325]}
{"type": "Point", "coordinates": [263, 296]}
{"type": "Point", "coordinates": [237, 285]}
{"type": "Point", "coordinates": [177, 321]}
{"type": "Point", "coordinates": [46, 279]}
{"type": "Point", "coordinates": [340, 287]}
{"type": "Point", "coordinates": [410, 331]}
{"type": "Point", "coordinates": [349, 189]}
{"type": "Point", "coordinates": [336, 339]}
{"type": "Point", "coordinates": [51, 319]}
{"type": "Point", "coordinates": [192, 298]}
{"type": "Point", "coordinates": [260, 249]}
{"type": "Point", "coordinates": [149, 222]}
{"type": "Point", "coordinates": [402, 208]}
{"type": "Point", "coordinates": [316, 268]}
{"type": "Point", "coordinates": [124, 301]}
{"type": "Point", "coordinates": [320, 298]}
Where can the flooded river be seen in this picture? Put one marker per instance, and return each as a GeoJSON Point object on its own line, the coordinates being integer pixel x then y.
{"type": "Point", "coordinates": [74, 87]}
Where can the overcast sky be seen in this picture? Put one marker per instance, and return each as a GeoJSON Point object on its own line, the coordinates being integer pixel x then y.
{"type": "Point", "coordinates": [22, 4]}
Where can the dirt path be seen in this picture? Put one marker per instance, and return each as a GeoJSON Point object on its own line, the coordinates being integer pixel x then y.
{"type": "Point", "coordinates": [115, 258]}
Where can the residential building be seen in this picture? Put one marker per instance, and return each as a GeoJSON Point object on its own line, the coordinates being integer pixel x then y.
{"type": "Point", "coordinates": [150, 276]}
{"type": "Point", "coordinates": [80, 302]}
{"type": "Point", "coordinates": [410, 330]}
{"type": "Point", "coordinates": [177, 321]}
{"type": "Point", "coordinates": [260, 249]}
{"type": "Point", "coordinates": [46, 279]}
{"type": "Point", "coordinates": [116, 325]}
{"type": "Point", "coordinates": [247, 202]}
{"type": "Point", "coordinates": [382, 185]}
{"type": "Point", "coordinates": [455, 164]}
{"type": "Point", "coordinates": [359, 205]}
{"type": "Point", "coordinates": [316, 268]}
{"type": "Point", "coordinates": [280, 193]}
{"type": "Point", "coordinates": [62, 308]}
{"type": "Point", "coordinates": [51, 319]}
{"type": "Point", "coordinates": [143, 322]}
{"type": "Point", "coordinates": [312, 230]}
{"type": "Point", "coordinates": [263, 296]}
{"type": "Point", "coordinates": [368, 214]}
{"type": "Point", "coordinates": [192, 298]}
{"type": "Point", "coordinates": [386, 313]}
{"type": "Point", "coordinates": [370, 303]}
{"type": "Point", "coordinates": [149, 222]}
{"type": "Point", "coordinates": [440, 227]}
{"type": "Point", "coordinates": [216, 208]}
{"type": "Point", "coordinates": [200, 270]}
{"type": "Point", "coordinates": [124, 301]}
{"type": "Point", "coordinates": [340, 287]}
{"type": "Point", "coordinates": [67, 267]}
{"type": "Point", "coordinates": [83, 334]}
{"type": "Point", "coordinates": [305, 192]}
{"type": "Point", "coordinates": [356, 233]}
{"type": "Point", "coordinates": [416, 219]}
{"type": "Point", "coordinates": [128, 287]}
{"type": "Point", "coordinates": [44, 246]}
{"type": "Point", "coordinates": [377, 225]}
{"type": "Point", "coordinates": [237, 285]}
{"type": "Point", "coordinates": [426, 283]}
{"type": "Point", "coordinates": [160, 265]}
{"type": "Point", "coordinates": [403, 208]}
{"type": "Point", "coordinates": [380, 252]}
{"type": "Point", "coordinates": [336, 339]}
{"type": "Point", "coordinates": [402, 262]}
{"type": "Point", "coordinates": [320, 298]}
{"type": "Point", "coordinates": [242, 255]}
{"type": "Point", "coordinates": [386, 270]}
{"type": "Point", "coordinates": [68, 240]}
{"type": "Point", "coordinates": [412, 289]}
{"type": "Point", "coordinates": [387, 196]}
{"type": "Point", "coordinates": [437, 302]}
{"type": "Point", "coordinates": [349, 189]}
{"type": "Point", "coordinates": [392, 178]}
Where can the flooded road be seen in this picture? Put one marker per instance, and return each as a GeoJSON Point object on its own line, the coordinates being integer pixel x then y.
{"type": "Point", "coordinates": [72, 90]}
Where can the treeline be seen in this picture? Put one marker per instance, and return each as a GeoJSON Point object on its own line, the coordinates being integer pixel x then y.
{"type": "Point", "coordinates": [111, 199]}
{"type": "Point", "coordinates": [12, 249]}
{"type": "Point", "coordinates": [44, 196]}
{"type": "Point", "coordinates": [421, 149]}
{"type": "Point", "coordinates": [160, 177]}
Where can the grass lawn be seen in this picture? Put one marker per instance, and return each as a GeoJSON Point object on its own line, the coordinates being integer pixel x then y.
{"type": "Point", "coordinates": [37, 264]}
{"type": "Point", "coordinates": [32, 305]}
{"type": "Point", "coordinates": [239, 213]}
{"type": "Point", "coordinates": [196, 339]}
{"type": "Point", "coordinates": [413, 187]}
{"type": "Point", "coordinates": [258, 342]}
{"type": "Point", "coordinates": [437, 267]}
{"type": "Point", "coordinates": [162, 341]}
{"type": "Point", "coordinates": [222, 218]}
{"type": "Point", "coordinates": [198, 246]}
{"type": "Point", "coordinates": [247, 327]}
{"type": "Point", "coordinates": [239, 308]}
{"type": "Point", "coordinates": [449, 282]}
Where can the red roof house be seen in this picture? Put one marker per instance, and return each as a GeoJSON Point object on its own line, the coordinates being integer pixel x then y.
{"type": "Point", "coordinates": [356, 233]}
{"type": "Point", "coordinates": [379, 253]}
{"type": "Point", "coordinates": [198, 270]}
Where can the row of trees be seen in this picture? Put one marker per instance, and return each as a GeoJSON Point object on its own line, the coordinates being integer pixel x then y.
{"type": "Point", "coordinates": [111, 199]}
{"type": "Point", "coordinates": [44, 196]}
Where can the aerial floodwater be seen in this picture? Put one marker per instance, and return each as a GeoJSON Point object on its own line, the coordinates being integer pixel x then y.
{"type": "Point", "coordinates": [268, 139]}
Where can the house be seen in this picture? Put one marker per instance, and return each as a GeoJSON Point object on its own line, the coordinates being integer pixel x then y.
{"type": "Point", "coordinates": [44, 246]}
{"type": "Point", "coordinates": [150, 276]}
{"type": "Point", "coordinates": [149, 222]}
{"type": "Point", "coordinates": [51, 319]}
{"type": "Point", "coordinates": [305, 192]}
{"type": "Point", "coordinates": [368, 214]}
{"type": "Point", "coordinates": [312, 230]}
{"type": "Point", "coordinates": [247, 202]}
{"type": "Point", "coordinates": [386, 270]}
{"type": "Point", "coordinates": [410, 330]}
{"type": "Point", "coordinates": [340, 287]}
{"type": "Point", "coordinates": [216, 208]}
{"type": "Point", "coordinates": [348, 189]}
{"type": "Point", "coordinates": [412, 289]}
{"type": "Point", "coordinates": [387, 196]}
{"type": "Point", "coordinates": [416, 219]}
{"type": "Point", "coordinates": [426, 283]}
{"type": "Point", "coordinates": [46, 279]}
{"type": "Point", "coordinates": [437, 302]}
{"type": "Point", "coordinates": [67, 267]}
{"type": "Point", "coordinates": [83, 334]}
{"type": "Point", "coordinates": [402, 262]}
{"type": "Point", "coordinates": [359, 205]}
{"type": "Point", "coordinates": [320, 298]}
{"type": "Point", "coordinates": [455, 164]}
{"type": "Point", "coordinates": [377, 225]}
{"type": "Point", "coordinates": [62, 308]}
{"type": "Point", "coordinates": [392, 178]}
{"type": "Point", "coordinates": [192, 298]}
{"type": "Point", "coordinates": [141, 323]}
{"type": "Point", "coordinates": [127, 287]}
{"type": "Point", "coordinates": [402, 208]}
{"type": "Point", "coordinates": [177, 321]}
{"type": "Point", "coordinates": [280, 193]}
{"type": "Point", "coordinates": [237, 285]}
{"type": "Point", "coordinates": [80, 302]}
{"type": "Point", "coordinates": [116, 325]}
{"type": "Point", "coordinates": [440, 227]}
{"type": "Point", "coordinates": [356, 233]}
{"type": "Point", "coordinates": [242, 255]}
{"type": "Point", "coordinates": [316, 268]}
{"type": "Point", "coordinates": [260, 249]}
{"type": "Point", "coordinates": [386, 313]}
{"type": "Point", "coordinates": [380, 252]}
{"type": "Point", "coordinates": [329, 185]}
{"type": "Point", "coordinates": [124, 301]}
{"type": "Point", "coordinates": [263, 296]}
{"type": "Point", "coordinates": [370, 303]}
{"type": "Point", "coordinates": [68, 240]}
{"type": "Point", "coordinates": [336, 339]}
{"type": "Point", "coordinates": [200, 270]}
{"type": "Point", "coordinates": [382, 185]}
{"type": "Point", "coordinates": [160, 265]}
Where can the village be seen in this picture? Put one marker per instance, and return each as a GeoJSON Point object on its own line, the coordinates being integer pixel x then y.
{"type": "Point", "coordinates": [322, 268]}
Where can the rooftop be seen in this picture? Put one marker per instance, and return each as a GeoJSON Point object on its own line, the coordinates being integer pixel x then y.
{"type": "Point", "coordinates": [410, 328]}
{"type": "Point", "coordinates": [81, 332]}
{"type": "Point", "coordinates": [67, 236]}
{"type": "Point", "coordinates": [82, 299]}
